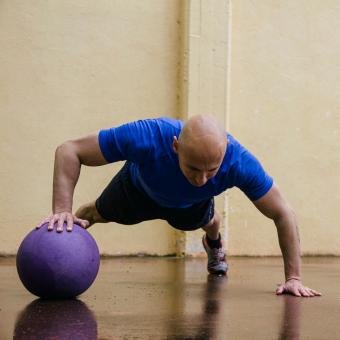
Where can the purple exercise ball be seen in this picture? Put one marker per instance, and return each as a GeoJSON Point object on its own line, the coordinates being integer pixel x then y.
{"type": "Point", "coordinates": [58, 265]}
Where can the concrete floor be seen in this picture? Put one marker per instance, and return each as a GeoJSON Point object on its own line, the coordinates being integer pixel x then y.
{"type": "Point", "coordinates": [168, 298]}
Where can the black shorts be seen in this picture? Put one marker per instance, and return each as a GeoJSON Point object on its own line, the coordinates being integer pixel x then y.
{"type": "Point", "coordinates": [123, 203]}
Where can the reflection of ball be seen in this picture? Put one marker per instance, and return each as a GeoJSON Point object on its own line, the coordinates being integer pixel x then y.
{"type": "Point", "coordinates": [56, 319]}
{"type": "Point", "coordinates": [58, 265]}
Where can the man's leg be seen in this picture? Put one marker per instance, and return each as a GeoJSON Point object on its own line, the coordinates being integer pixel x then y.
{"type": "Point", "coordinates": [213, 245]}
{"type": "Point", "coordinates": [212, 228]}
{"type": "Point", "coordinates": [90, 213]}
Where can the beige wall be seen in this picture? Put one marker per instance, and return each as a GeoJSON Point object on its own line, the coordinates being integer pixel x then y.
{"type": "Point", "coordinates": [285, 106]}
{"type": "Point", "coordinates": [204, 85]}
{"type": "Point", "coordinates": [69, 68]}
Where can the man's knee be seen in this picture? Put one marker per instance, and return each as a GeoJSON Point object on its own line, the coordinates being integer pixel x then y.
{"type": "Point", "coordinates": [89, 212]}
{"type": "Point", "coordinates": [96, 215]}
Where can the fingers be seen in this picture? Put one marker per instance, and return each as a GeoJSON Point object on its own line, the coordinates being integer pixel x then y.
{"type": "Point", "coordinates": [307, 292]}
{"type": "Point", "coordinates": [304, 292]}
{"type": "Point", "coordinates": [83, 223]}
{"type": "Point", "coordinates": [296, 290]}
{"type": "Point", "coordinates": [280, 290]}
{"type": "Point", "coordinates": [69, 222]}
{"type": "Point", "coordinates": [312, 292]}
{"type": "Point", "coordinates": [51, 223]}
{"type": "Point", "coordinates": [61, 220]}
{"type": "Point", "coordinates": [316, 293]}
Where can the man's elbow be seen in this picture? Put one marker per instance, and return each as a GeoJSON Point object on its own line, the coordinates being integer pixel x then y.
{"type": "Point", "coordinates": [66, 150]}
{"type": "Point", "coordinates": [284, 214]}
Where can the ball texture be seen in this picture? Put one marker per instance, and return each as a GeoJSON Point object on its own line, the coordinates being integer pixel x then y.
{"type": "Point", "coordinates": [58, 265]}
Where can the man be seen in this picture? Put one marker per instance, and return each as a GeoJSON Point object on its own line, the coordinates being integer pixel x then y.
{"type": "Point", "coordinates": [172, 172]}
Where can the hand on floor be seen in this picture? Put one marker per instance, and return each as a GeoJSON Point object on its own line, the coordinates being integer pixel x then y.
{"type": "Point", "coordinates": [296, 288]}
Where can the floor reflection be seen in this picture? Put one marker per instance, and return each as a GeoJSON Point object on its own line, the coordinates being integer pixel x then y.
{"type": "Point", "coordinates": [59, 319]}
{"type": "Point", "coordinates": [170, 299]}
{"type": "Point", "coordinates": [290, 325]}
{"type": "Point", "coordinates": [209, 321]}
{"type": "Point", "coordinates": [205, 325]}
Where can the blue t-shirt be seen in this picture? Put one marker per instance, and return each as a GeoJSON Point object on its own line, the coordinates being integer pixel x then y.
{"type": "Point", "coordinates": [154, 167]}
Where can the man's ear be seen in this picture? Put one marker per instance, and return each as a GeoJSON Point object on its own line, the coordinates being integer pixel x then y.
{"type": "Point", "coordinates": [175, 144]}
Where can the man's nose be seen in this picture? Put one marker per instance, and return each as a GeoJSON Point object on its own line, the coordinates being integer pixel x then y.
{"type": "Point", "coordinates": [201, 179]}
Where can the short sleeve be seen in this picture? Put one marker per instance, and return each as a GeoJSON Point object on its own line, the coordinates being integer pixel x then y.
{"type": "Point", "coordinates": [251, 178]}
{"type": "Point", "coordinates": [133, 141]}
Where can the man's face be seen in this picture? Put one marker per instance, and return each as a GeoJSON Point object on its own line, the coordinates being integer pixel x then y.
{"type": "Point", "coordinates": [197, 169]}
{"type": "Point", "coordinates": [197, 172]}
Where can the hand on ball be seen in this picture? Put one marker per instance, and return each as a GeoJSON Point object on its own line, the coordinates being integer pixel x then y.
{"type": "Point", "coordinates": [60, 219]}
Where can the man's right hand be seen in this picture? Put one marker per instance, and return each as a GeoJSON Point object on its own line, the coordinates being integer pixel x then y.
{"type": "Point", "coordinates": [59, 219]}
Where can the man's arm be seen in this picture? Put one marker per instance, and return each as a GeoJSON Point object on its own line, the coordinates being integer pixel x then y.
{"type": "Point", "coordinates": [274, 206]}
{"type": "Point", "coordinates": [69, 157]}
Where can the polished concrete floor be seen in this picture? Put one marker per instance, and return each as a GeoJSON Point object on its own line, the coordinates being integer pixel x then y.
{"type": "Point", "coordinates": [168, 298]}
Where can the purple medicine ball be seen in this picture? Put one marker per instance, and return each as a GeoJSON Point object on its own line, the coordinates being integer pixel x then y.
{"type": "Point", "coordinates": [58, 265]}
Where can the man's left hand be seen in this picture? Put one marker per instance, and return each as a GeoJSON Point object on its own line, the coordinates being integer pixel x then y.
{"type": "Point", "coordinates": [296, 288]}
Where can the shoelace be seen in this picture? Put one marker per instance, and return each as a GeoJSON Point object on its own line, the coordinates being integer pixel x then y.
{"type": "Point", "coordinates": [218, 255]}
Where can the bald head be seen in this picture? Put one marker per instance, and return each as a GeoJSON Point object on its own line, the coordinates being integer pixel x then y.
{"type": "Point", "coordinates": [203, 137]}
{"type": "Point", "coordinates": [201, 146]}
